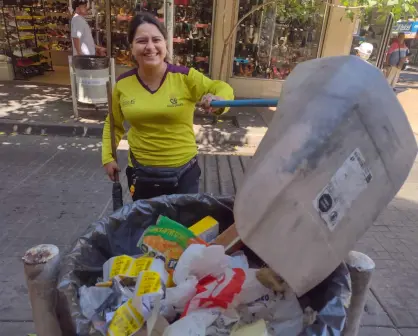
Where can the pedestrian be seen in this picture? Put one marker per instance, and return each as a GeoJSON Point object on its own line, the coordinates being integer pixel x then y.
{"type": "Point", "coordinates": [396, 58]}
{"type": "Point", "coordinates": [364, 50]}
{"type": "Point", "coordinates": [81, 36]}
{"type": "Point", "coordinates": [158, 100]}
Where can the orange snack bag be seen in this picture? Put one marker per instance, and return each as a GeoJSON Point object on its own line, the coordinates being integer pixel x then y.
{"type": "Point", "coordinates": [169, 239]}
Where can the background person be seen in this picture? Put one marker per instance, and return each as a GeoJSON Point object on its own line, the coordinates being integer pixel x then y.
{"type": "Point", "coordinates": [158, 99]}
{"type": "Point", "coordinates": [396, 58]}
{"type": "Point", "coordinates": [81, 36]}
{"type": "Point", "coordinates": [364, 50]}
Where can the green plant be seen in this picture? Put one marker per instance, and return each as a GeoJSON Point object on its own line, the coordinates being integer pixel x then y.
{"type": "Point", "coordinates": [401, 9]}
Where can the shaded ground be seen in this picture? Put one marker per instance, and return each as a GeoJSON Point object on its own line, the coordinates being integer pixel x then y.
{"type": "Point", "coordinates": [52, 189]}
{"type": "Point", "coordinates": [42, 109]}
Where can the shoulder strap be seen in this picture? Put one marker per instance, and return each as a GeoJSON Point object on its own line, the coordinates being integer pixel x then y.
{"type": "Point", "coordinates": [133, 160]}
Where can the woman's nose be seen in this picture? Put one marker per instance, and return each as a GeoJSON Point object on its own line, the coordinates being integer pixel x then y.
{"type": "Point", "coordinates": [150, 45]}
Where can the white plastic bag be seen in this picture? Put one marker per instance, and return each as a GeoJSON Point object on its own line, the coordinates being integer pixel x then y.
{"type": "Point", "coordinates": [176, 298]}
{"type": "Point", "coordinates": [200, 261]}
{"type": "Point", "coordinates": [194, 324]}
{"type": "Point", "coordinates": [282, 312]}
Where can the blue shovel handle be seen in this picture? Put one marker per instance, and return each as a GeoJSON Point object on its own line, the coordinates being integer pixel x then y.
{"type": "Point", "coordinates": [245, 102]}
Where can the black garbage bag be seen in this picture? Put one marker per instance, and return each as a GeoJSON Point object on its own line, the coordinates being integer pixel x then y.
{"type": "Point", "coordinates": [119, 234]}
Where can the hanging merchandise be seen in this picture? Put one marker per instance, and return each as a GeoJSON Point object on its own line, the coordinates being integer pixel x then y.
{"type": "Point", "coordinates": [273, 40]}
{"type": "Point", "coordinates": [58, 20]}
{"type": "Point", "coordinates": [28, 45]}
{"type": "Point", "coordinates": [122, 12]}
{"type": "Point", "coordinates": [193, 34]}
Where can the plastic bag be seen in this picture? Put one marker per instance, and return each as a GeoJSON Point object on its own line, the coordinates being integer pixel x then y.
{"type": "Point", "coordinates": [119, 233]}
{"type": "Point", "coordinates": [91, 298]}
{"type": "Point", "coordinates": [200, 261]}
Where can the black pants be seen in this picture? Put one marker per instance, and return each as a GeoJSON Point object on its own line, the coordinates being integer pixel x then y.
{"type": "Point", "coordinates": [188, 183]}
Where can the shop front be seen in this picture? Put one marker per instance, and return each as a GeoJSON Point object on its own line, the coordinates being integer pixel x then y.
{"type": "Point", "coordinates": [262, 50]}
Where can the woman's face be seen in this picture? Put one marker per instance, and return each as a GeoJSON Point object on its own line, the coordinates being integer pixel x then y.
{"type": "Point", "coordinates": [149, 47]}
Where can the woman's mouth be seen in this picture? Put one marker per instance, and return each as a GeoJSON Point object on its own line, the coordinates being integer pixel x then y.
{"type": "Point", "coordinates": [151, 55]}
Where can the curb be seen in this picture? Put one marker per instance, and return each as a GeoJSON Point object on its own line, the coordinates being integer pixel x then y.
{"type": "Point", "coordinates": [13, 126]}
{"type": "Point", "coordinates": [205, 134]}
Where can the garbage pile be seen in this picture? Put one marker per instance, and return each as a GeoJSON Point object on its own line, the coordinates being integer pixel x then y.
{"type": "Point", "coordinates": [142, 272]}
{"type": "Point", "coordinates": [188, 287]}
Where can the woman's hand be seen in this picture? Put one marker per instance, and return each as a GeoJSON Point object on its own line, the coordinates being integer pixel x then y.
{"type": "Point", "coordinates": [100, 51]}
{"type": "Point", "coordinates": [205, 102]}
{"type": "Point", "coordinates": [111, 169]}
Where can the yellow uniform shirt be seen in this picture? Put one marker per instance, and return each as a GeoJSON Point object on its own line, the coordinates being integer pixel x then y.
{"type": "Point", "coordinates": [161, 132]}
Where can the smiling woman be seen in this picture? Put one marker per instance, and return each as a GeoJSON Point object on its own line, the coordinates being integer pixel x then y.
{"type": "Point", "coordinates": [158, 99]}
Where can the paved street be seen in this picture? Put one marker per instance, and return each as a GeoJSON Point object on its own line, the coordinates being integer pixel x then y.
{"type": "Point", "coordinates": [53, 187]}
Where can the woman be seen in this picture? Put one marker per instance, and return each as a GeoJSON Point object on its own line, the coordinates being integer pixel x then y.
{"type": "Point", "coordinates": [158, 99]}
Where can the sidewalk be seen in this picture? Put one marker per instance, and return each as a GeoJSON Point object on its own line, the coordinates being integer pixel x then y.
{"type": "Point", "coordinates": [42, 109]}
{"type": "Point", "coordinates": [43, 178]}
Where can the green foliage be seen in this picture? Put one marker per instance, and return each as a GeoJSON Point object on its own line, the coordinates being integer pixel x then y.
{"type": "Point", "coordinates": [302, 10]}
{"type": "Point", "coordinates": [401, 9]}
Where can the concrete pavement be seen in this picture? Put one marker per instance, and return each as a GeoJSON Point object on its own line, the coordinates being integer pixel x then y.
{"type": "Point", "coordinates": [43, 178]}
{"type": "Point", "coordinates": [51, 189]}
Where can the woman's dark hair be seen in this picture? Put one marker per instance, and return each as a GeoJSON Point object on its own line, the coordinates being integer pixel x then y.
{"type": "Point", "coordinates": [144, 17]}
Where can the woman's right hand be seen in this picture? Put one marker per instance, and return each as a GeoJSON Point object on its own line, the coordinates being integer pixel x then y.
{"type": "Point", "coordinates": [111, 169]}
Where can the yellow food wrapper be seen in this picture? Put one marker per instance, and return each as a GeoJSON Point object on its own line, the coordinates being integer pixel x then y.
{"type": "Point", "coordinates": [144, 306]}
{"type": "Point", "coordinates": [131, 267]}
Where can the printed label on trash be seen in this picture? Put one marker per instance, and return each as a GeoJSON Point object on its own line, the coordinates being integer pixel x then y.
{"type": "Point", "coordinates": [126, 321]}
{"type": "Point", "coordinates": [350, 180]}
{"type": "Point", "coordinates": [139, 265]}
{"type": "Point", "coordinates": [120, 265]}
{"type": "Point", "coordinates": [127, 266]}
{"type": "Point", "coordinates": [149, 282]}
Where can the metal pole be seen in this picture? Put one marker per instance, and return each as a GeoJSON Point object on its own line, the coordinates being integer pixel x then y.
{"type": "Point", "coordinates": [361, 269]}
{"type": "Point", "coordinates": [108, 11]}
{"type": "Point", "coordinates": [73, 86]}
{"type": "Point", "coordinates": [169, 23]}
{"type": "Point", "coordinates": [112, 72]}
{"type": "Point", "coordinates": [41, 269]}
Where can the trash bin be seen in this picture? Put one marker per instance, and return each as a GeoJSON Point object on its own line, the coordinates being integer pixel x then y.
{"type": "Point", "coordinates": [119, 233]}
{"type": "Point", "coordinates": [92, 74]}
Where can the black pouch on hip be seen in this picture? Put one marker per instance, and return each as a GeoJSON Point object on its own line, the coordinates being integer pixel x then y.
{"type": "Point", "coordinates": [151, 182]}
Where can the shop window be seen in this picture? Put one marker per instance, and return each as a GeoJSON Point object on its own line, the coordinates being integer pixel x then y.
{"type": "Point", "coordinates": [193, 33]}
{"type": "Point", "coordinates": [121, 14]}
{"type": "Point", "coordinates": [274, 39]}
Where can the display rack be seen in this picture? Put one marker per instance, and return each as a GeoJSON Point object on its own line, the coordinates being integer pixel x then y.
{"type": "Point", "coordinates": [272, 41]}
{"type": "Point", "coordinates": [4, 46]}
{"type": "Point", "coordinates": [122, 12]}
{"type": "Point", "coordinates": [193, 33]}
{"type": "Point", "coordinates": [25, 27]}
{"type": "Point", "coordinates": [192, 38]}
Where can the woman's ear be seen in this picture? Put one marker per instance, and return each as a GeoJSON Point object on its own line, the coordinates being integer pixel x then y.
{"type": "Point", "coordinates": [167, 57]}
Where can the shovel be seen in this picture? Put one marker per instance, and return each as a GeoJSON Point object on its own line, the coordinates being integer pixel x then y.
{"type": "Point", "coordinates": [332, 159]}
{"type": "Point", "coordinates": [117, 197]}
